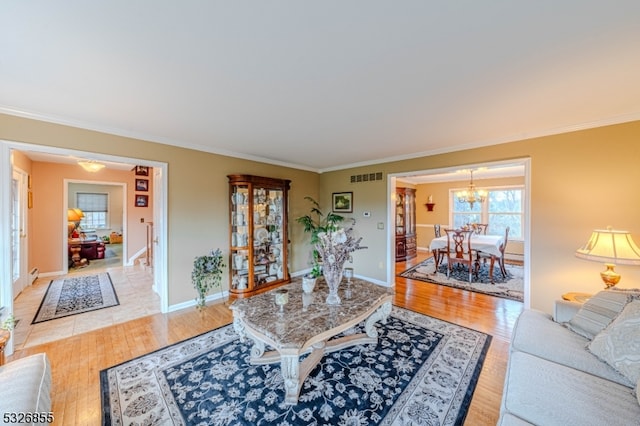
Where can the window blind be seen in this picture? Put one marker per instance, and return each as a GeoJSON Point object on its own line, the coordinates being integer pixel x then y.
{"type": "Point", "coordinates": [92, 202]}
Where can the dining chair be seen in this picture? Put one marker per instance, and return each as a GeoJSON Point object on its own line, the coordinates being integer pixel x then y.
{"type": "Point", "coordinates": [437, 253]}
{"type": "Point", "coordinates": [479, 228]}
{"type": "Point", "coordinates": [459, 250]}
{"type": "Point", "coordinates": [503, 269]}
{"type": "Point", "coordinates": [500, 259]}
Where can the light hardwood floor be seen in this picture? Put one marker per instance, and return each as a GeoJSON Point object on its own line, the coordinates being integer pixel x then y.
{"type": "Point", "coordinates": [133, 286]}
{"type": "Point", "coordinates": [77, 360]}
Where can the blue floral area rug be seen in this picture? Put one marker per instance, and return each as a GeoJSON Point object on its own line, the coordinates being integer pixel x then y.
{"type": "Point", "coordinates": [509, 287]}
{"type": "Point", "coordinates": [76, 295]}
{"type": "Point", "coordinates": [423, 371]}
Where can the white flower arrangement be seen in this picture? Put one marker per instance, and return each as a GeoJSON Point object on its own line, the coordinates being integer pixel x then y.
{"type": "Point", "coordinates": [335, 247]}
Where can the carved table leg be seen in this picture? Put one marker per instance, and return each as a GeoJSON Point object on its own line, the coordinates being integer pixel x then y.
{"type": "Point", "coordinates": [295, 372]}
{"type": "Point", "coordinates": [238, 326]}
{"type": "Point", "coordinates": [290, 367]}
{"type": "Point", "coordinates": [381, 314]}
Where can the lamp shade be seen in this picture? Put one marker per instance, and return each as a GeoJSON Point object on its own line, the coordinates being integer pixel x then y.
{"type": "Point", "coordinates": [610, 246]}
{"type": "Point", "coordinates": [74, 215]}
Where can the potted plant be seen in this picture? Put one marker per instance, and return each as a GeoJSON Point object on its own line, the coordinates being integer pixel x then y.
{"type": "Point", "coordinates": [207, 274]}
{"type": "Point", "coordinates": [314, 223]}
{"type": "Point", "coordinates": [9, 323]}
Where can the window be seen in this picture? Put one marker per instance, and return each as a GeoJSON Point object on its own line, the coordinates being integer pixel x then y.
{"type": "Point", "coordinates": [95, 207]}
{"type": "Point", "coordinates": [503, 207]}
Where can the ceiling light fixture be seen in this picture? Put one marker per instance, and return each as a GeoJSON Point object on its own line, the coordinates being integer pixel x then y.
{"type": "Point", "coordinates": [91, 165]}
{"type": "Point", "coordinates": [472, 195]}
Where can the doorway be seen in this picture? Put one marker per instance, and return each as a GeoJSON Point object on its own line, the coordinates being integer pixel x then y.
{"type": "Point", "coordinates": [111, 199]}
{"type": "Point", "coordinates": [7, 149]}
{"type": "Point", "coordinates": [449, 174]}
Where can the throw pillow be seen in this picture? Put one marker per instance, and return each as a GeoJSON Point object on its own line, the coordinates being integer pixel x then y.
{"type": "Point", "coordinates": [619, 344]}
{"type": "Point", "coordinates": [599, 311]}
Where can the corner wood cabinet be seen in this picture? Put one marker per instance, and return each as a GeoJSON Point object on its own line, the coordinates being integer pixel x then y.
{"type": "Point", "coordinates": [405, 224]}
{"type": "Point", "coordinates": [258, 233]}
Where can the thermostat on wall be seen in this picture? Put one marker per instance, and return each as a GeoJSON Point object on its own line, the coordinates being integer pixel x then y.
{"type": "Point", "coordinates": [366, 214]}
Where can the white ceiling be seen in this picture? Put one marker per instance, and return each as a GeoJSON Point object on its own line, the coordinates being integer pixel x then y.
{"type": "Point", "coordinates": [322, 85]}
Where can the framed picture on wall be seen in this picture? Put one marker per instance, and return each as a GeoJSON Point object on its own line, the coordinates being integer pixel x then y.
{"type": "Point", "coordinates": [342, 202]}
{"type": "Point", "coordinates": [142, 184]}
{"type": "Point", "coordinates": [142, 171]}
{"type": "Point", "coordinates": [142, 200]}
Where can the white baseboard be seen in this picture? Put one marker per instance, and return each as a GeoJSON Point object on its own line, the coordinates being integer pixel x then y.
{"type": "Point", "coordinates": [192, 303]}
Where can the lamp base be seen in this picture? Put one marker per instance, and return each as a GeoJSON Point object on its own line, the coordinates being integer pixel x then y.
{"type": "Point", "coordinates": [610, 277]}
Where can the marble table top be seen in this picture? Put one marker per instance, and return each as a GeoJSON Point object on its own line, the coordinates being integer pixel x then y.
{"type": "Point", "coordinates": [307, 315]}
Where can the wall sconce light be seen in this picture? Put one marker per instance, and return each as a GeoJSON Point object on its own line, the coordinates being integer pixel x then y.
{"type": "Point", "coordinates": [430, 204]}
{"type": "Point", "coordinates": [91, 166]}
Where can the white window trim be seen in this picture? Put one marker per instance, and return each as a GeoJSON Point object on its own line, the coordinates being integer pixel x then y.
{"type": "Point", "coordinates": [107, 220]}
{"type": "Point", "coordinates": [484, 213]}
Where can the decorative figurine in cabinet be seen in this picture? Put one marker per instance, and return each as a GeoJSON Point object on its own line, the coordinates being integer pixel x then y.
{"type": "Point", "coordinates": [258, 233]}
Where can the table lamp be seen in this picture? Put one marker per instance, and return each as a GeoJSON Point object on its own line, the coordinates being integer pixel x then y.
{"type": "Point", "coordinates": [74, 216]}
{"type": "Point", "coordinates": [611, 247]}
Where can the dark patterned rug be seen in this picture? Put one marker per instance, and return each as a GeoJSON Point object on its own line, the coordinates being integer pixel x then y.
{"type": "Point", "coordinates": [76, 295]}
{"type": "Point", "coordinates": [422, 371]}
{"type": "Point", "coordinates": [509, 287]}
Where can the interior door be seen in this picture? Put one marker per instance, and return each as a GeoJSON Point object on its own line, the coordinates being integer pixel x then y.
{"type": "Point", "coordinates": [18, 231]}
{"type": "Point", "coordinates": [158, 245]}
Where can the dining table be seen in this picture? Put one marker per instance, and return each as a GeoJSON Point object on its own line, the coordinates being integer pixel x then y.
{"type": "Point", "coordinates": [489, 244]}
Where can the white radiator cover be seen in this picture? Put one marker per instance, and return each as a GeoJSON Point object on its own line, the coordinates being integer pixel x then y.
{"type": "Point", "coordinates": [33, 275]}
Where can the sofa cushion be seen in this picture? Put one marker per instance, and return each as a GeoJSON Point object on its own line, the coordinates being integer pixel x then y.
{"type": "Point", "coordinates": [599, 311]}
{"type": "Point", "coordinates": [542, 392]}
{"type": "Point", "coordinates": [536, 333]}
{"type": "Point", "coordinates": [619, 344]}
{"type": "Point", "coordinates": [25, 385]}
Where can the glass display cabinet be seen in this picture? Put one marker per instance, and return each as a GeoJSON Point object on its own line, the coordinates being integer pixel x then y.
{"type": "Point", "coordinates": [258, 233]}
{"type": "Point", "coordinates": [406, 247]}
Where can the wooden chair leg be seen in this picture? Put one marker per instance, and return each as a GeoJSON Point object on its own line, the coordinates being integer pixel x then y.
{"type": "Point", "coordinates": [503, 268]}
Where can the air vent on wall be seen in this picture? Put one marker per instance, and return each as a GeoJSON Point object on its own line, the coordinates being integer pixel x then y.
{"type": "Point", "coordinates": [367, 177]}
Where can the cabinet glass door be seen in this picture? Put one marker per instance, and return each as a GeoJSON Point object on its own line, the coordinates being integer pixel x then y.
{"type": "Point", "coordinates": [240, 231]}
{"type": "Point", "coordinates": [400, 214]}
{"type": "Point", "coordinates": [268, 235]}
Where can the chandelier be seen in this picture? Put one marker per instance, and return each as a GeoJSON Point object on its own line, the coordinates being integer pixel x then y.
{"type": "Point", "coordinates": [472, 195]}
{"type": "Point", "coordinates": [91, 165]}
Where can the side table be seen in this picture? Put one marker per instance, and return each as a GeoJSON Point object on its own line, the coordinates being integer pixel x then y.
{"type": "Point", "coordinates": [574, 296]}
{"type": "Point", "coordinates": [4, 338]}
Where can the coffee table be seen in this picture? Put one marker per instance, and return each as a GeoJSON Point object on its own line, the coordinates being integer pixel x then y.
{"type": "Point", "coordinates": [308, 326]}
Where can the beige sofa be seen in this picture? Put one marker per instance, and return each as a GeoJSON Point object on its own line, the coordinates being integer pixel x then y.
{"type": "Point", "coordinates": [25, 387]}
{"type": "Point", "coordinates": [554, 377]}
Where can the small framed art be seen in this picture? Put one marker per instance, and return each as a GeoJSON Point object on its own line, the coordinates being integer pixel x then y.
{"type": "Point", "coordinates": [142, 185]}
{"type": "Point", "coordinates": [142, 171]}
{"type": "Point", "coordinates": [342, 202]}
{"type": "Point", "coordinates": [142, 200]}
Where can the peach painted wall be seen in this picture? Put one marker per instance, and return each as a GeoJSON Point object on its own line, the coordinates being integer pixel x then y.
{"type": "Point", "coordinates": [49, 212]}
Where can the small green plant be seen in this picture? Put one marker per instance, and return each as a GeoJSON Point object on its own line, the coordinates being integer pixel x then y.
{"type": "Point", "coordinates": [9, 323]}
{"type": "Point", "coordinates": [314, 223]}
{"type": "Point", "coordinates": [207, 274]}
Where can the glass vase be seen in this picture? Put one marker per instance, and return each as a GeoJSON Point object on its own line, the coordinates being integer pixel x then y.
{"type": "Point", "coordinates": [333, 276]}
